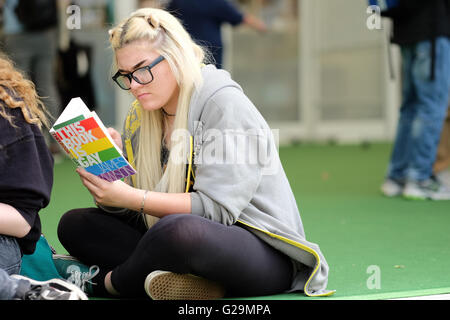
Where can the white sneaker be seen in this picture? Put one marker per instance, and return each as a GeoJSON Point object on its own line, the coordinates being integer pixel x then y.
{"type": "Point", "coordinates": [428, 189]}
{"type": "Point", "coordinates": [391, 188]}
{"type": "Point", "coordinates": [165, 285]}
{"type": "Point", "coordinates": [444, 177]}
{"type": "Point", "coordinates": [54, 289]}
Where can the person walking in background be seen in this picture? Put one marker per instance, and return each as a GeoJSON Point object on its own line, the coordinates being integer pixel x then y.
{"type": "Point", "coordinates": [26, 180]}
{"type": "Point", "coordinates": [203, 19]}
{"type": "Point", "coordinates": [30, 29]}
{"type": "Point", "coordinates": [441, 167]}
{"type": "Point", "coordinates": [422, 29]}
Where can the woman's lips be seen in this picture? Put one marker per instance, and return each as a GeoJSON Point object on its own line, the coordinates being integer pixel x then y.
{"type": "Point", "coordinates": [141, 95]}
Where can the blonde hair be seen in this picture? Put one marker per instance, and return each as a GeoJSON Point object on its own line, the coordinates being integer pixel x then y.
{"type": "Point", "coordinates": [18, 92]}
{"type": "Point", "coordinates": [169, 39]}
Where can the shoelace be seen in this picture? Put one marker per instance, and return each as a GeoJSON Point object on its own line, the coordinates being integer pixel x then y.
{"type": "Point", "coordinates": [79, 278]}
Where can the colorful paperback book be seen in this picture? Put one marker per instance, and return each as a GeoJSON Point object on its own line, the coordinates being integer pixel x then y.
{"type": "Point", "coordinates": [82, 135]}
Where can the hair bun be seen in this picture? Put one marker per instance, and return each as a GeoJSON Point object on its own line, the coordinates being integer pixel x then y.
{"type": "Point", "coordinates": [154, 23]}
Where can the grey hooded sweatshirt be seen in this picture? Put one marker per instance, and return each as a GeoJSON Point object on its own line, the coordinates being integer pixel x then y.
{"type": "Point", "coordinates": [239, 178]}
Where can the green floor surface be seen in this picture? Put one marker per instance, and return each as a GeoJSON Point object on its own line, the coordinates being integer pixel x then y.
{"type": "Point", "coordinates": [377, 247]}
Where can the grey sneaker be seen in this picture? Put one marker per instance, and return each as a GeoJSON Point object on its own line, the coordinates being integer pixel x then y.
{"type": "Point", "coordinates": [54, 289]}
{"type": "Point", "coordinates": [429, 189]}
{"type": "Point", "coordinates": [392, 188]}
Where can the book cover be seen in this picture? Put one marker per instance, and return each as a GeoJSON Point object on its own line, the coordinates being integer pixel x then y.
{"type": "Point", "coordinates": [87, 142]}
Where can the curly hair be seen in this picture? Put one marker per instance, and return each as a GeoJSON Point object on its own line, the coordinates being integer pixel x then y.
{"type": "Point", "coordinates": [18, 92]}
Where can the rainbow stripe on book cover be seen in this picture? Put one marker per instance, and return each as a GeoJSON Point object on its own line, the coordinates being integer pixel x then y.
{"type": "Point", "coordinates": [85, 141]}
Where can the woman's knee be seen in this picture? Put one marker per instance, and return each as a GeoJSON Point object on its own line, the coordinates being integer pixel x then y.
{"type": "Point", "coordinates": [178, 232]}
{"type": "Point", "coordinates": [71, 225]}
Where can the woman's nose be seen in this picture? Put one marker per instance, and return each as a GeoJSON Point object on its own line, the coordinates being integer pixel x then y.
{"type": "Point", "coordinates": [134, 84]}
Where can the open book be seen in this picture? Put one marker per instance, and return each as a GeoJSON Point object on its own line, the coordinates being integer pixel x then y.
{"type": "Point", "coordinates": [86, 140]}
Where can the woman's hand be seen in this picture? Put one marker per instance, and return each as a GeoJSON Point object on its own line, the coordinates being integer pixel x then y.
{"type": "Point", "coordinates": [115, 135]}
{"type": "Point", "coordinates": [121, 195]}
{"type": "Point", "coordinates": [112, 194]}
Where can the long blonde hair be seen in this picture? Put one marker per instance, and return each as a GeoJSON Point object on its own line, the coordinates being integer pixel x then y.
{"type": "Point", "coordinates": [18, 92]}
{"type": "Point", "coordinates": [168, 37]}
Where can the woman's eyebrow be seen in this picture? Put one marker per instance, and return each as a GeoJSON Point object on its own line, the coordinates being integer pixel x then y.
{"type": "Point", "coordinates": [134, 67]}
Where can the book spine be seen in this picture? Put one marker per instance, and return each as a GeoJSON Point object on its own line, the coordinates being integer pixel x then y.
{"type": "Point", "coordinates": [58, 139]}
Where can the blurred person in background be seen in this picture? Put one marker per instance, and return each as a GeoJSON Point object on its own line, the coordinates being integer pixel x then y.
{"type": "Point", "coordinates": [203, 19]}
{"type": "Point", "coordinates": [30, 30]}
{"type": "Point", "coordinates": [441, 167]}
{"type": "Point", "coordinates": [422, 30]}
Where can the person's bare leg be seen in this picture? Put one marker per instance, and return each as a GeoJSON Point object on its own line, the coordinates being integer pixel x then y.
{"type": "Point", "coordinates": [108, 285]}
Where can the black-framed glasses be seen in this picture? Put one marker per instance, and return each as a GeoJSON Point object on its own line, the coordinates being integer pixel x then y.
{"type": "Point", "coordinates": [141, 75]}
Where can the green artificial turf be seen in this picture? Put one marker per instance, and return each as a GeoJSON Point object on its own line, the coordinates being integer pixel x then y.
{"type": "Point", "coordinates": [376, 247]}
{"type": "Point", "coordinates": [359, 230]}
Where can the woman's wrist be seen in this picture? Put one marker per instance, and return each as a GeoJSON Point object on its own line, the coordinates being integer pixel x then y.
{"type": "Point", "coordinates": [144, 197]}
{"type": "Point", "coordinates": [132, 199]}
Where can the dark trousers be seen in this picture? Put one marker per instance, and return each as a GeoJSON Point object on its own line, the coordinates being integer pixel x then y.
{"type": "Point", "coordinates": [181, 243]}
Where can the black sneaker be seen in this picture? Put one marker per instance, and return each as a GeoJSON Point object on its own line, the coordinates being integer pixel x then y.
{"type": "Point", "coordinates": [54, 289]}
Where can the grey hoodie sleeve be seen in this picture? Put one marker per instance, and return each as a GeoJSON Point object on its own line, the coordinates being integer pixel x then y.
{"type": "Point", "coordinates": [225, 179]}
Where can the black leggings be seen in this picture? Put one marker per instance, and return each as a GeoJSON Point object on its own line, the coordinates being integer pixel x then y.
{"type": "Point", "coordinates": [181, 243]}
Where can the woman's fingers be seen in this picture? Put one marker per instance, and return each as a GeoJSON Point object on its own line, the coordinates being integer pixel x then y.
{"type": "Point", "coordinates": [104, 192]}
{"type": "Point", "coordinates": [90, 177]}
{"type": "Point", "coordinates": [90, 181]}
{"type": "Point", "coordinates": [115, 135]}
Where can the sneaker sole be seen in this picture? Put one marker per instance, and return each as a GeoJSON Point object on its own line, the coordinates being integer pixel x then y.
{"type": "Point", "coordinates": [415, 198]}
{"type": "Point", "coordinates": [164, 285]}
{"type": "Point", "coordinates": [431, 197]}
{"type": "Point", "coordinates": [390, 195]}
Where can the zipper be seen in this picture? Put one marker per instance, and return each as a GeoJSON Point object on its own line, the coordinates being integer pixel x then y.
{"type": "Point", "coordinates": [303, 247]}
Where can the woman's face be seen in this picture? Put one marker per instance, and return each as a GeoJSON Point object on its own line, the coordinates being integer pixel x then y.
{"type": "Point", "coordinates": [163, 91]}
